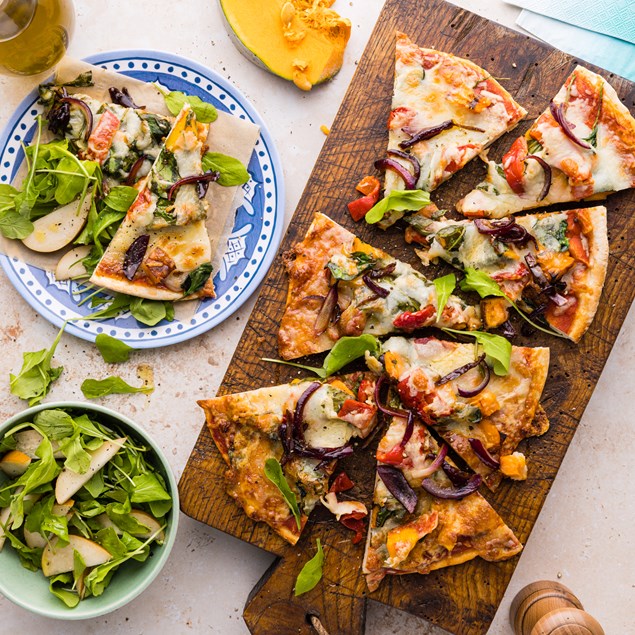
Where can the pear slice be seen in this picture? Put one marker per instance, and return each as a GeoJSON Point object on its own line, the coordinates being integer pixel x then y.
{"type": "Point", "coordinates": [56, 561]}
{"type": "Point", "coordinates": [59, 228]}
{"type": "Point", "coordinates": [143, 518]}
{"type": "Point", "coordinates": [28, 441]}
{"type": "Point", "coordinates": [5, 519]}
{"type": "Point", "coordinates": [70, 264]}
{"type": "Point", "coordinates": [15, 463]}
{"type": "Point", "coordinates": [69, 482]}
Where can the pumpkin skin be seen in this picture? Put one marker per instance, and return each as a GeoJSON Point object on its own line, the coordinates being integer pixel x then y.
{"type": "Point", "coordinates": [299, 40]}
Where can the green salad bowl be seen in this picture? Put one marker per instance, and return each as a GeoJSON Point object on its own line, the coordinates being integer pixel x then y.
{"type": "Point", "coordinates": [30, 589]}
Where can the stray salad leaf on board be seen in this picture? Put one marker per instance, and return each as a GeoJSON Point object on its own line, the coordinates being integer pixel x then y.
{"type": "Point", "coordinates": [311, 572]}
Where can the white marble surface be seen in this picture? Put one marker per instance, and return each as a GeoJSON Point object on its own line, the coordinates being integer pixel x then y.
{"type": "Point", "coordinates": [584, 535]}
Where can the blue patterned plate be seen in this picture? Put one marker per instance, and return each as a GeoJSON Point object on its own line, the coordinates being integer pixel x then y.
{"type": "Point", "coordinates": [250, 248]}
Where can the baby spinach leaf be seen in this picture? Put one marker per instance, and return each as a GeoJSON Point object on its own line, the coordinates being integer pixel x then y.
{"type": "Point", "coordinates": [55, 424]}
{"type": "Point", "coordinates": [175, 100]}
{"type": "Point", "coordinates": [109, 540]}
{"type": "Point", "coordinates": [232, 171]}
{"type": "Point", "coordinates": [311, 572]}
{"type": "Point", "coordinates": [273, 471]}
{"type": "Point", "coordinates": [148, 488]}
{"type": "Point", "coordinates": [497, 349]}
{"type": "Point", "coordinates": [444, 287]}
{"type": "Point", "coordinates": [112, 350]}
{"type": "Point", "coordinates": [346, 350]}
{"type": "Point", "coordinates": [95, 388]}
{"type": "Point", "coordinates": [120, 198]}
{"type": "Point", "coordinates": [60, 586]}
{"type": "Point", "coordinates": [197, 279]}
{"type": "Point", "coordinates": [33, 381]}
{"type": "Point", "coordinates": [13, 225]}
{"type": "Point", "coordinates": [400, 201]}
{"type": "Point", "coordinates": [149, 312]}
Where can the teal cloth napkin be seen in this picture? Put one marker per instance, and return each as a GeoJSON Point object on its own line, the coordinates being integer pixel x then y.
{"type": "Point", "coordinates": [611, 53]}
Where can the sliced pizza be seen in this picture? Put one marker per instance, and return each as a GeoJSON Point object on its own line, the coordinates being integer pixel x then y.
{"type": "Point", "coordinates": [339, 285]}
{"type": "Point", "coordinates": [305, 426]}
{"type": "Point", "coordinates": [162, 250]}
{"type": "Point", "coordinates": [553, 263]}
{"type": "Point", "coordinates": [481, 415]}
{"type": "Point", "coordinates": [581, 147]}
{"type": "Point", "coordinates": [445, 111]}
{"type": "Point", "coordinates": [427, 513]}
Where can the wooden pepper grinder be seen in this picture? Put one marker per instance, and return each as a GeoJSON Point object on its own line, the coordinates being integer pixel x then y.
{"type": "Point", "coordinates": [550, 608]}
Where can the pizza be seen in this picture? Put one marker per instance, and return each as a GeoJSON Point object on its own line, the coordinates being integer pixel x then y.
{"type": "Point", "coordinates": [339, 285]}
{"type": "Point", "coordinates": [581, 147]}
{"type": "Point", "coordinates": [481, 415]}
{"type": "Point", "coordinates": [305, 426]}
{"type": "Point", "coordinates": [445, 111]}
{"type": "Point", "coordinates": [427, 513]}
{"type": "Point", "coordinates": [554, 263]}
{"type": "Point", "coordinates": [162, 249]}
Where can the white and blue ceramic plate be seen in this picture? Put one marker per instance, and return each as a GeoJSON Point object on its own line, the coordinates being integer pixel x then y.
{"type": "Point", "coordinates": [250, 248]}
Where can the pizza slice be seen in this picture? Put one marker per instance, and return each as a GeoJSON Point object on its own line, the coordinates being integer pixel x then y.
{"type": "Point", "coordinates": [162, 250]}
{"type": "Point", "coordinates": [553, 263]}
{"type": "Point", "coordinates": [445, 111]}
{"type": "Point", "coordinates": [581, 147]}
{"type": "Point", "coordinates": [481, 415]}
{"type": "Point", "coordinates": [305, 426]}
{"type": "Point", "coordinates": [339, 285]}
{"type": "Point", "coordinates": [427, 513]}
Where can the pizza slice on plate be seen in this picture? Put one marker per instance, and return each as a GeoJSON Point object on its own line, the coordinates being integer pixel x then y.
{"type": "Point", "coordinates": [445, 111]}
{"type": "Point", "coordinates": [554, 263]}
{"type": "Point", "coordinates": [481, 415]}
{"type": "Point", "coordinates": [162, 249]}
{"type": "Point", "coordinates": [304, 426]}
{"type": "Point", "coordinates": [427, 513]}
{"type": "Point", "coordinates": [339, 285]}
{"type": "Point", "coordinates": [581, 147]}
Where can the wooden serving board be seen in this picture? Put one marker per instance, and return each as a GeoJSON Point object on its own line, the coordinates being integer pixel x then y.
{"type": "Point", "coordinates": [462, 599]}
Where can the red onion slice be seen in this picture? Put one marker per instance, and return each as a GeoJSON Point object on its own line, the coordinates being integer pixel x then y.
{"type": "Point", "coordinates": [432, 487]}
{"type": "Point", "coordinates": [382, 292]}
{"type": "Point", "coordinates": [86, 111]}
{"type": "Point", "coordinates": [326, 310]}
{"type": "Point", "coordinates": [536, 270]}
{"type": "Point", "coordinates": [482, 453]}
{"type": "Point", "coordinates": [374, 274]}
{"type": "Point", "coordinates": [136, 166]}
{"type": "Point", "coordinates": [298, 415]}
{"type": "Point", "coordinates": [426, 133]}
{"type": "Point", "coordinates": [391, 412]}
{"type": "Point", "coordinates": [122, 98]}
{"type": "Point", "coordinates": [461, 370]}
{"type": "Point", "coordinates": [134, 255]}
{"type": "Point", "coordinates": [390, 164]}
{"type": "Point", "coordinates": [436, 464]}
{"type": "Point", "coordinates": [398, 486]}
{"type": "Point", "coordinates": [458, 477]}
{"type": "Point", "coordinates": [206, 177]}
{"type": "Point", "coordinates": [557, 112]}
{"type": "Point", "coordinates": [494, 228]}
{"type": "Point", "coordinates": [547, 170]}
{"type": "Point", "coordinates": [416, 166]}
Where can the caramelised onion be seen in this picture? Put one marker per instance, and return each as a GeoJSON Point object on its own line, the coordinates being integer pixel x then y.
{"type": "Point", "coordinates": [481, 451]}
{"type": "Point", "coordinates": [547, 170]}
{"type": "Point", "coordinates": [433, 131]}
{"type": "Point", "coordinates": [374, 287]}
{"type": "Point", "coordinates": [59, 116]}
{"type": "Point", "coordinates": [86, 111]}
{"type": "Point", "coordinates": [298, 415]}
{"type": "Point", "coordinates": [416, 167]}
{"type": "Point", "coordinates": [507, 231]}
{"type": "Point", "coordinates": [122, 98]}
{"type": "Point", "coordinates": [452, 493]}
{"type": "Point", "coordinates": [134, 255]}
{"type": "Point", "coordinates": [391, 412]}
{"type": "Point", "coordinates": [461, 370]}
{"type": "Point", "coordinates": [436, 464]}
{"type": "Point", "coordinates": [204, 179]}
{"type": "Point", "coordinates": [558, 113]}
{"type": "Point", "coordinates": [457, 477]}
{"type": "Point", "coordinates": [327, 310]}
{"type": "Point", "coordinates": [136, 166]}
{"type": "Point", "coordinates": [374, 274]}
{"type": "Point", "coordinates": [398, 486]}
{"type": "Point", "coordinates": [390, 164]}
{"type": "Point", "coordinates": [477, 389]}
{"type": "Point", "coordinates": [536, 270]}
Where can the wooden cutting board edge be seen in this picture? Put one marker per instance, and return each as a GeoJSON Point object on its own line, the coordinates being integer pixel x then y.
{"type": "Point", "coordinates": [271, 604]}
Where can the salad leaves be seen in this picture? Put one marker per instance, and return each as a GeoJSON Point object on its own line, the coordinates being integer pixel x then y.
{"type": "Point", "coordinates": [444, 287]}
{"type": "Point", "coordinates": [400, 201]}
{"type": "Point", "coordinates": [112, 350]}
{"type": "Point", "coordinates": [95, 388]}
{"type": "Point", "coordinates": [311, 572]}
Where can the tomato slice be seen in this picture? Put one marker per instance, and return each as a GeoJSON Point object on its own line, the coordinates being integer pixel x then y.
{"type": "Point", "coordinates": [354, 522]}
{"type": "Point", "coordinates": [409, 320]}
{"type": "Point", "coordinates": [514, 165]}
{"type": "Point", "coordinates": [394, 456]}
{"type": "Point", "coordinates": [341, 483]}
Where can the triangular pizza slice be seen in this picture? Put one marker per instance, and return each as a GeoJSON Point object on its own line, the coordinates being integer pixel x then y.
{"type": "Point", "coordinates": [581, 147]}
{"type": "Point", "coordinates": [341, 286]}
{"type": "Point", "coordinates": [162, 250]}
{"type": "Point", "coordinates": [304, 427]}
{"type": "Point", "coordinates": [481, 415]}
{"type": "Point", "coordinates": [427, 513]}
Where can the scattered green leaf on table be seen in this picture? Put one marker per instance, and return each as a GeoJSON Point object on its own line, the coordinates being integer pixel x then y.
{"type": "Point", "coordinates": [399, 201]}
{"type": "Point", "coordinates": [232, 171]}
{"type": "Point", "coordinates": [95, 388]}
{"type": "Point", "coordinates": [444, 287]}
{"type": "Point", "coordinates": [311, 572]}
{"type": "Point", "coordinates": [273, 471]}
{"type": "Point", "coordinates": [112, 350]}
{"type": "Point", "coordinates": [346, 350]}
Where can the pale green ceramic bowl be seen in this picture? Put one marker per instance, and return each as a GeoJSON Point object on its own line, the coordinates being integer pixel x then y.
{"type": "Point", "coordinates": [30, 589]}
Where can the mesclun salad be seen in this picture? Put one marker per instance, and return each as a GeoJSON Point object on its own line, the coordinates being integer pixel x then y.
{"type": "Point", "coordinates": [81, 499]}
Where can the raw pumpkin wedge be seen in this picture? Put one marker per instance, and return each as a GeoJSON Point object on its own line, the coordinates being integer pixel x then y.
{"type": "Point", "coordinates": [302, 41]}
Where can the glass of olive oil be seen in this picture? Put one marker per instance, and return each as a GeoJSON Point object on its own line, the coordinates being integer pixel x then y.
{"type": "Point", "coordinates": [34, 34]}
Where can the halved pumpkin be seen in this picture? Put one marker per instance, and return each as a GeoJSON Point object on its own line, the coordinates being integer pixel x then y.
{"type": "Point", "coordinates": [300, 40]}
